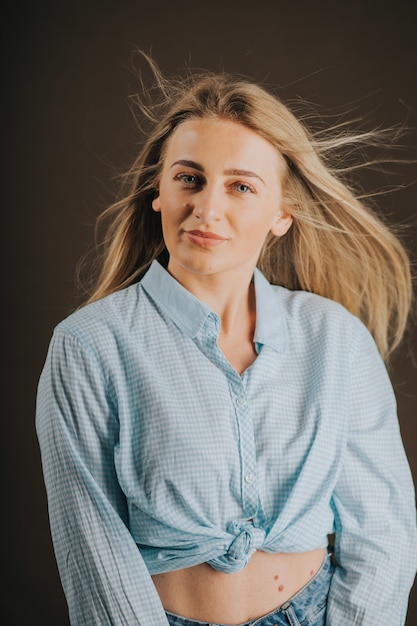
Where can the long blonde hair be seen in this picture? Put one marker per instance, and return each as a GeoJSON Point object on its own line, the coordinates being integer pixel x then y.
{"type": "Point", "coordinates": [337, 247]}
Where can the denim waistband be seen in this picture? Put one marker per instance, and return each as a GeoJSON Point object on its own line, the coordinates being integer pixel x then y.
{"type": "Point", "coordinates": [310, 601]}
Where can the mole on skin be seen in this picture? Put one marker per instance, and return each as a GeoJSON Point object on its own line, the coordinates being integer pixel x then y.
{"type": "Point", "coordinates": [281, 587]}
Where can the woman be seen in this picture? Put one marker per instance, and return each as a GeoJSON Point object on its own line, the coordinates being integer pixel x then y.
{"type": "Point", "coordinates": [220, 406]}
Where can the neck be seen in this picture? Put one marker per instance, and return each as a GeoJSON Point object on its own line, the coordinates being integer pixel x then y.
{"type": "Point", "coordinates": [231, 298]}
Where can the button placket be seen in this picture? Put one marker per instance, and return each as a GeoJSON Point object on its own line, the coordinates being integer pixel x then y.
{"type": "Point", "coordinates": [241, 400]}
{"type": "Point", "coordinates": [250, 478]}
{"type": "Point", "coordinates": [247, 450]}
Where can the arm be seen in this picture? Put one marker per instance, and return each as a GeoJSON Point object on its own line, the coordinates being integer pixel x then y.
{"type": "Point", "coordinates": [374, 505]}
{"type": "Point", "coordinates": [104, 577]}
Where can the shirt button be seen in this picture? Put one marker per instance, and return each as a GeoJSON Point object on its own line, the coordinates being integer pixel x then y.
{"type": "Point", "coordinates": [241, 400]}
{"type": "Point", "coordinates": [249, 478]}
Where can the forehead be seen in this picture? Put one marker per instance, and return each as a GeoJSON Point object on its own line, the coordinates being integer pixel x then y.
{"type": "Point", "coordinates": [227, 142]}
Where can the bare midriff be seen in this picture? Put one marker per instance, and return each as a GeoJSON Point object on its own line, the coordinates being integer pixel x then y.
{"type": "Point", "coordinates": [268, 581]}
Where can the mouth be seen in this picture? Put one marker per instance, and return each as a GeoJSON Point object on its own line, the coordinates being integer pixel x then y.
{"type": "Point", "coordinates": [204, 239]}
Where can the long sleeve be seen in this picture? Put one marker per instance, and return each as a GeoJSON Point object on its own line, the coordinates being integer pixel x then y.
{"type": "Point", "coordinates": [374, 505]}
{"type": "Point", "coordinates": [104, 577]}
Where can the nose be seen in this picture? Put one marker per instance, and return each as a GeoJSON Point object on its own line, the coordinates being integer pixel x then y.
{"type": "Point", "coordinates": [209, 203]}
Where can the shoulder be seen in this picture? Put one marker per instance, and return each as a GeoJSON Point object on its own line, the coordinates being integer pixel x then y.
{"type": "Point", "coordinates": [336, 341]}
{"type": "Point", "coordinates": [312, 307]}
{"type": "Point", "coordinates": [315, 317]}
{"type": "Point", "coordinates": [97, 321]}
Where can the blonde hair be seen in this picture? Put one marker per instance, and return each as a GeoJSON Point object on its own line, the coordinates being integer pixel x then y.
{"type": "Point", "coordinates": [337, 246]}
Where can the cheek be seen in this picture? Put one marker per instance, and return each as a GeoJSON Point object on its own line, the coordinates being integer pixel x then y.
{"type": "Point", "coordinates": [171, 220]}
{"type": "Point", "coordinates": [260, 224]}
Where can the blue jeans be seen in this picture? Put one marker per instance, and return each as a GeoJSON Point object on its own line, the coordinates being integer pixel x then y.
{"type": "Point", "coordinates": [306, 608]}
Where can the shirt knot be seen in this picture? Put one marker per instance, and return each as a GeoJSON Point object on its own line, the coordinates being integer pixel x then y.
{"type": "Point", "coordinates": [248, 538]}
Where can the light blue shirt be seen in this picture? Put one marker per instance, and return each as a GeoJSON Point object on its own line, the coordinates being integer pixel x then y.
{"type": "Point", "coordinates": [158, 455]}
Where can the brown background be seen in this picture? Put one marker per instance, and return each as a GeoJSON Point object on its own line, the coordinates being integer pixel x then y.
{"type": "Point", "coordinates": [65, 82]}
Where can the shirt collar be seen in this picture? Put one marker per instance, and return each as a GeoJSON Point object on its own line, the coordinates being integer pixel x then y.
{"type": "Point", "coordinates": [187, 311]}
{"type": "Point", "coordinates": [190, 314]}
{"type": "Point", "coordinates": [271, 323]}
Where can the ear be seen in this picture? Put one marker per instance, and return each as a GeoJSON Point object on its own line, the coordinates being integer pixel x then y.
{"type": "Point", "coordinates": [282, 223]}
{"type": "Point", "coordinates": [156, 204]}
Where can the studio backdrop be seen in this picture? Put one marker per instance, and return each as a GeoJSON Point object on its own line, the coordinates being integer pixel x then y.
{"type": "Point", "coordinates": [67, 134]}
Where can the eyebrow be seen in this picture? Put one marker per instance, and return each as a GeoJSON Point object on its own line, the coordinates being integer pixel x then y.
{"type": "Point", "coordinates": [229, 172]}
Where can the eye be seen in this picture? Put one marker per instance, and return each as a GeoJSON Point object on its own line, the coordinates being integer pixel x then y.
{"type": "Point", "coordinates": [189, 180]}
{"type": "Point", "coordinates": [243, 188]}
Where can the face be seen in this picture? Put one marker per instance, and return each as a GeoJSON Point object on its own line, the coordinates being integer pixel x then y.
{"type": "Point", "coordinates": [220, 194]}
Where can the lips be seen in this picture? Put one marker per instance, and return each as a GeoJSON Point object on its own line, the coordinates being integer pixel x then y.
{"type": "Point", "coordinates": [204, 239]}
